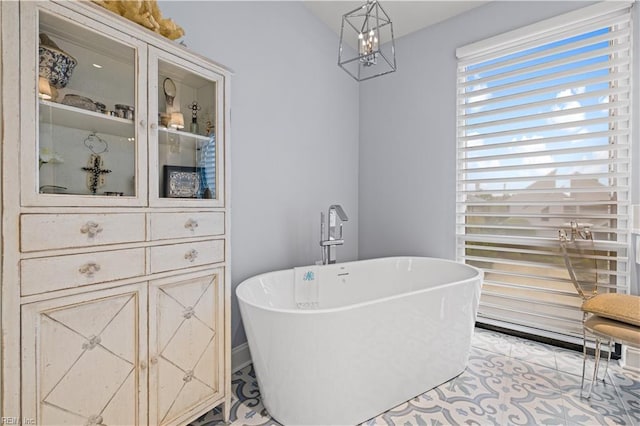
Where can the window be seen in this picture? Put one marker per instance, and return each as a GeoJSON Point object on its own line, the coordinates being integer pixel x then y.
{"type": "Point", "coordinates": [544, 139]}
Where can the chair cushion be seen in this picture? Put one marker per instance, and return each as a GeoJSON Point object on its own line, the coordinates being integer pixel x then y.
{"type": "Point", "coordinates": [616, 306]}
{"type": "Point", "coordinates": [619, 331]}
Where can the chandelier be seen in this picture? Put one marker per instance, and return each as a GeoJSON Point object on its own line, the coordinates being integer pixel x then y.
{"type": "Point", "coordinates": [370, 27]}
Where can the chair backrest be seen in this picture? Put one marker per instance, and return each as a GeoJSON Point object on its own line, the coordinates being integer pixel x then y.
{"type": "Point", "coordinates": [580, 258]}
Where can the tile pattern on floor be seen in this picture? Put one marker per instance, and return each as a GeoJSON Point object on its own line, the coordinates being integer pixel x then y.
{"type": "Point", "coordinates": [508, 381]}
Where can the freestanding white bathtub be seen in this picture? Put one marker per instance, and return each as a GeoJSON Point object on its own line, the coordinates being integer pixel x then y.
{"type": "Point", "coordinates": [385, 331]}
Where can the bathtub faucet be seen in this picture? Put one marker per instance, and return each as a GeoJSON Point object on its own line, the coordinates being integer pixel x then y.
{"type": "Point", "coordinates": [336, 216]}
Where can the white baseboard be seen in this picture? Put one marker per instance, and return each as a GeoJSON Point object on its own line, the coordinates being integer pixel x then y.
{"type": "Point", "coordinates": [240, 357]}
{"type": "Point", "coordinates": [630, 359]}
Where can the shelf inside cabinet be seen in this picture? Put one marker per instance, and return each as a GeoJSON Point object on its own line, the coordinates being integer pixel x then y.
{"type": "Point", "coordinates": [164, 134]}
{"type": "Point", "coordinates": [78, 118]}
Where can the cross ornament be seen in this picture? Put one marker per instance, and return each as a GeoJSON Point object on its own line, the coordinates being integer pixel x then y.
{"type": "Point", "coordinates": [96, 172]}
{"type": "Point", "coordinates": [194, 107]}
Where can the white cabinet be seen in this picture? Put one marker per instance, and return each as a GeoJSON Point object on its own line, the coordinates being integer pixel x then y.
{"type": "Point", "coordinates": [187, 160]}
{"type": "Point", "coordinates": [115, 221]}
{"type": "Point", "coordinates": [85, 356]}
{"type": "Point", "coordinates": [185, 321]}
{"type": "Point", "coordinates": [83, 73]}
{"type": "Point", "coordinates": [85, 359]}
{"type": "Point", "coordinates": [128, 114]}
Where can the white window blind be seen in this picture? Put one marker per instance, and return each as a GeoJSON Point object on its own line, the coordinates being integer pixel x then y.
{"type": "Point", "coordinates": [543, 139]}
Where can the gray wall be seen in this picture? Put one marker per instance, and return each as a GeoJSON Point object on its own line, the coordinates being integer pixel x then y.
{"type": "Point", "coordinates": [408, 134]}
{"type": "Point", "coordinates": [294, 131]}
{"type": "Point", "coordinates": [297, 119]}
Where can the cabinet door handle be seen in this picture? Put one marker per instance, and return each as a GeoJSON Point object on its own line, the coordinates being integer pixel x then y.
{"type": "Point", "coordinates": [91, 229]}
{"type": "Point", "coordinates": [91, 343]}
{"type": "Point", "coordinates": [188, 376]}
{"type": "Point", "coordinates": [191, 255]}
{"type": "Point", "coordinates": [89, 269]}
{"type": "Point", "coordinates": [154, 360]}
{"type": "Point", "coordinates": [143, 123]}
{"type": "Point", "coordinates": [154, 126]}
{"type": "Point", "coordinates": [188, 312]}
{"type": "Point", "coordinates": [191, 224]}
{"type": "Point", "coordinates": [143, 365]}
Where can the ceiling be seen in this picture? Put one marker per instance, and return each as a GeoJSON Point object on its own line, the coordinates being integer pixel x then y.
{"type": "Point", "coordinates": [406, 16]}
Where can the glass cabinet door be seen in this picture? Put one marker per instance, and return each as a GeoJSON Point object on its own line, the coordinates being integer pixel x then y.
{"type": "Point", "coordinates": [185, 102]}
{"type": "Point", "coordinates": [88, 103]}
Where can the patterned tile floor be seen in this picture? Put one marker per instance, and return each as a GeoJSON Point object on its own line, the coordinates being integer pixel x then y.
{"type": "Point", "coordinates": [509, 381]}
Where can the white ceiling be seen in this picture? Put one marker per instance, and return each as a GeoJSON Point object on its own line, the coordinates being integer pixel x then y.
{"type": "Point", "coordinates": [406, 16]}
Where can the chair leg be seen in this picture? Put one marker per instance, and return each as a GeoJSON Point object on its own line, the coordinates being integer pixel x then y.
{"type": "Point", "coordinates": [584, 358]}
{"type": "Point", "coordinates": [606, 368]}
{"type": "Point", "coordinates": [595, 367]}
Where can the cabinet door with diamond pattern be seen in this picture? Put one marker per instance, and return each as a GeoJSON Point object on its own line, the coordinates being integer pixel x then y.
{"type": "Point", "coordinates": [84, 359]}
{"type": "Point", "coordinates": [184, 346]}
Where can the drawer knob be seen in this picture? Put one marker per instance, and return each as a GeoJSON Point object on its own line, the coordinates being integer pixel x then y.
{"type": "Point", "coordinates": [89, 269]}
{"type": "Point", "coordinates": [191, 255]}
{"type": "Point", "coordinates": [91, 229]}
{"type": "Point", "coordinates": [191, 224]}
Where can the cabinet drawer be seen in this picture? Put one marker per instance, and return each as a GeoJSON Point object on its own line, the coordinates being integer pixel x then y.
{"type": "Point", "coordinates": [180, 225]}
{"type": "Point", "coordinates": [57, 231]}
{"type": "Point", "coordinates": [177, 256]}
{"type": "Point", "coordinates": [58, 272]}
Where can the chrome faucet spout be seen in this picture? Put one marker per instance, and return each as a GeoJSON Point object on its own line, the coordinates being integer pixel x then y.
{"type": "Point", "coordinates": [335, 217]}
{"type": "Point", "coordinates": [338, 209]}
